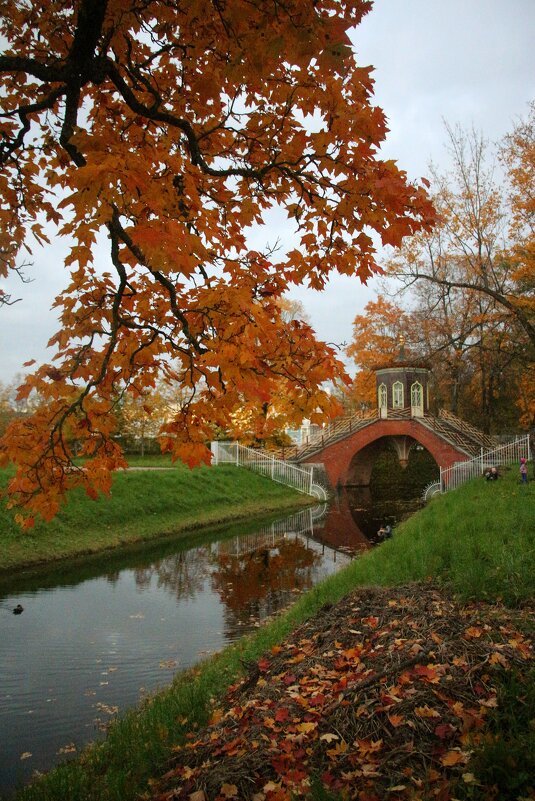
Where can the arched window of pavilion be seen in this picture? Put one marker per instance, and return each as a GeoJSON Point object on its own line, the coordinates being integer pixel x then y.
{"type": "Point", "coordinates": [382, 400]}
{"type": "Point", "coordinates": [397, 395]}
{"type": "Point", "coordinates": [417, 399]}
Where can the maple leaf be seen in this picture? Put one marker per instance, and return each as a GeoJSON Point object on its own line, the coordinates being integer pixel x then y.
{"type": "Point", "coordinates": [229, 790]}
{"type": "Point", "coordinates": [453, 758]}
{"type": "Point", "coordinates": [444, 730]}
{"type": "Point", "coordinates": [281, 715]}
{"type": "Point", "coordinates": [498, 659]}
{"type": "Point", "coordinates": [426, 712]}
{"type": "Point", "coordinates": [216, 716]}
{"type": "Point", "coordinates": [329, 737]}
{"type": "Point", "coordinates": [473, 631]}
{"type": "Point", "coordinates": [427, 672]}
{"type": "Point", "coordinates": [338, 750]}
{"type": "Point", "coordinates": [307, 728]}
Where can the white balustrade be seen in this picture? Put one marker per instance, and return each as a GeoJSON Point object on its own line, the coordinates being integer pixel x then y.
{"type": "Point", "coordinates": [461, 472]}
{"type": "Point", "coordinates": [300, 478]}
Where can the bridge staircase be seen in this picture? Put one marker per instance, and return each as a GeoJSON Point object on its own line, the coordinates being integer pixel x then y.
{"type": "Point", "coordinates": [459, 433]}
{"type": "Point", "coordinates": [462, 435]}
{"type": "Point", "coordinates": [339, 429]}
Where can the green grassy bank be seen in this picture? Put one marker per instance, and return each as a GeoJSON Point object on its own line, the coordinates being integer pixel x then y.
{"type": "Point", "coordinates": [143, 504]}
{"type": "Point", "coordinates": [478, 542]}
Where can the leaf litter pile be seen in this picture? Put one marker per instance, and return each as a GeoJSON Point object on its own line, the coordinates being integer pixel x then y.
{"type": "Point", "coordinates": [384, 695]}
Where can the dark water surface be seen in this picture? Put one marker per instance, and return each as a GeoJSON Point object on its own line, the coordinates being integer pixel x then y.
{"type": "Point", "coordinates": [91, 641]}
{"type": "Point", "coordinates": [94, 638]}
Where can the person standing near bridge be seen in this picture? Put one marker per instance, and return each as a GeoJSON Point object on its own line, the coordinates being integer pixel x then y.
{"type": "Point", "coordinates": [523, 471]}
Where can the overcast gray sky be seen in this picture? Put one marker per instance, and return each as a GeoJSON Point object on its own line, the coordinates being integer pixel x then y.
{"type": "Point", "coordinates": [469, 62]}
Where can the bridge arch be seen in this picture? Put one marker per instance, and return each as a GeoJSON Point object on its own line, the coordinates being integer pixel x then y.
{"type": "Point", "coordinates": [350, 460]}
{"type": "Point", "coordinates": [361, 465]}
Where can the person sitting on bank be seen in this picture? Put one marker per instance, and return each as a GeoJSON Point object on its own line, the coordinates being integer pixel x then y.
{"type": "Point", "coordinates": [492, 474]}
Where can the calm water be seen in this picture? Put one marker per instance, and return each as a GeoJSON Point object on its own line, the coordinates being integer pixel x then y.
{"type": "Point", "coordinates": [92, 641]}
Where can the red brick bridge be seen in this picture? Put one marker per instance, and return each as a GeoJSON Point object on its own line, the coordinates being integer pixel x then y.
{"type": "Point", "coordinates": [349, 447]}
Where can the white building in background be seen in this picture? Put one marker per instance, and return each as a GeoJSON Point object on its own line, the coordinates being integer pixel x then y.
{"type": "Point", "coordinates": [303, 434]}
{"type": "Point", "coordinates": [307, 430]}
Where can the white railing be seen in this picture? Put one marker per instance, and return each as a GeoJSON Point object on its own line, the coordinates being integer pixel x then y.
{"type": "Point", "coordinates": [301, 524]}
{"type": "Point", "coordinates": [452, 477]}
{"type": "Point", "coordinates": [299, 478]}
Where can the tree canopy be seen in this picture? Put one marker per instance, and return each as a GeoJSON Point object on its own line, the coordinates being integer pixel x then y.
{"type": "Point", "coordinates": [467, 300]}
{"type": "Point", "coordinates": [169, 130]}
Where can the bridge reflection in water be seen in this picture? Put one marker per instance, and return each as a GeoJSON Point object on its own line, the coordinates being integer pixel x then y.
{"type": "Point", "coordinates": [321, 528]}
{"type": "Point", "coordinates": [348, 525]}
{"type": "Point", "coordinates": [93, 634]}
{"type": "Point", "coordinates": [351, 522]}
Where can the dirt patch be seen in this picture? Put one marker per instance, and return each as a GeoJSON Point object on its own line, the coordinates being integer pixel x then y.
{"type": "Point", "coordinates": [383, 695]}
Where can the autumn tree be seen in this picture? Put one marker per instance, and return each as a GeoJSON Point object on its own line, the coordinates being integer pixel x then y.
{"type": "Point", "coordinates": [474, 235]}
{"type": "Point", "coordinates": [6, 411]}
{"type": "Point", "coordinates": [293, 310]}
{"type": "Point", "coordinates": [163, 132]}
{"type": "Point", "coordinates": [141, 417]}
{"type": "Point", "coordinates": [465, 284]}
{"type": "Point", "coordinates": [376, 341]}
{"type": "Point", "coordinates": [12, 407]}
{"type": "Point", "coordinates": [518, 157]}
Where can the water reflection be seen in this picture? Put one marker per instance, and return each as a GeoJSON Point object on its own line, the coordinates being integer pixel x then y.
{"type": "Point", "coordinates": [369, 513]}
{"type": "Point", "coordinates": [91, 641]}
{"type": "Point", "coordinates": [93, 638]}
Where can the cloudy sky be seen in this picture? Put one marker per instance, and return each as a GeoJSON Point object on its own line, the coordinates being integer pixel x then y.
{"type": "Point", "coordinates": [468, 62]}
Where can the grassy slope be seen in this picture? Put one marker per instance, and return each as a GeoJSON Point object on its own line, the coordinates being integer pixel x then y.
{"type": "Point", "coordinates": [142, 505]}
{"type": "Point", "coordinates": [480, 540]}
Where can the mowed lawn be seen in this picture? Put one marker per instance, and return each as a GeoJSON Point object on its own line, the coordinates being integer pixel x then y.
{"type": "Point", "coordinates": [143, 504]}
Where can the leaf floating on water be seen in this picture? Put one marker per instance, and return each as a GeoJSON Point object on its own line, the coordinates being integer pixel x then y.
{"type": "Point", "coordinates": [26, 755]}
{"type": "Point", "coordinates": [109, 710]}
{"type": "Point", "coordinates": [70, 748]}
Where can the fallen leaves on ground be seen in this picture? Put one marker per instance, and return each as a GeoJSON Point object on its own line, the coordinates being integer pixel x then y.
{"type": "Point", "coordinates": [383, 695]}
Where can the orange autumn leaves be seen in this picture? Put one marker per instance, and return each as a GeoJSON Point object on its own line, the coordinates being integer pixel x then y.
{"type": "Point", "coordinates": [386, 694]}
{"type": "Point", "coordinates": [153, 137]}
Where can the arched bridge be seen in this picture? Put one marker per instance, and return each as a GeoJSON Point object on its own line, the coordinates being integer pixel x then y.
{"type": "Point", "coordinates": [349, 447]}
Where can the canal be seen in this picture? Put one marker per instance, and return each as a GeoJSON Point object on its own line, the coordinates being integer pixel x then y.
{"type": "Point", "coordinates": [95, 638]}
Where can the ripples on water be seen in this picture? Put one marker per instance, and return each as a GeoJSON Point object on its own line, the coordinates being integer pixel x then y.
{"type": "Point", "coordinates": [93, 641]}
